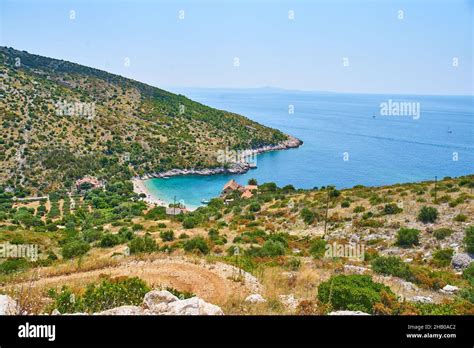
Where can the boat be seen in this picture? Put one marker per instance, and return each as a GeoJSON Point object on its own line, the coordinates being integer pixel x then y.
{"type": "Point", "coordinates": [166, 177]}
{"type": "Point", "coordinates": [205, 201]}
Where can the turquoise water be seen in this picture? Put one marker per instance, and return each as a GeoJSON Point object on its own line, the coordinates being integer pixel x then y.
{"type": "Point", "coordinates": [381, 149]}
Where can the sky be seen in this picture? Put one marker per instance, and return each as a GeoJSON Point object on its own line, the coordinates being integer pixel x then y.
{"type": "Point", "coordinates": [355, 46]}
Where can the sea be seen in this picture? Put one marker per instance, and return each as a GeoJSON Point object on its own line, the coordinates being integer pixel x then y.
{"type": "Point", "coordinates": [349, 139]}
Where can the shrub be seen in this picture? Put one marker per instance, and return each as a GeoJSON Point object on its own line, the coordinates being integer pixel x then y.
{"type": "Point", "coordinates": [442, 233]}
{"type": "Point", "coordinates": [318, 248]}
{"type": "Point", "coordinates": [428, 214]}
{"type": "Point", "coordinates": [460, 218]}
{"type": "Point", "coordinates": [469, 239]}
{"type": "Point", "coordinates": [391, 208]}
{"type": "Point", "coordinates": [351, 292]}
{"type": "Point", "coordinates": [392, 265]}
{"type": "Point", "coordinates": [10, 266]}
{"type": "Point", "coordinates": [144, 244]}
{"type": "Point", "coordinates": [167, 236]}
{"type": "Point", "coordinates": [254, 207]}
{"type": "Point", "coordinates": [468, 273]}
{"type": "Point", "coordinates": [189, 223]}
{"type": "Point", "coordinates": [91, 235]}
{"type": "Point", "coordinates": [182, 295]}
{"type": "Point", "coordinates": [109, 293]}
{"type": "Point", "coordinates": [308, 216]}
{"type": "Point", "coordinates": [442, 257]}
{"type": "Point", "coordinates": [157, 213]}
{"type": "Point", "coordinates": [75, 248]}
{"type": "Point", "coordinates": [407, 237]}
{"type": "Point", "coordinates": [359, 209]}
{"type": "Point", "coordinates": [272, 248]}
{"type": "Point", "coordinates": [198, 244]}
{"type": "Point", "coordinates": [345, 204]}
{"type": "Point", "coordinates": [109, 240]}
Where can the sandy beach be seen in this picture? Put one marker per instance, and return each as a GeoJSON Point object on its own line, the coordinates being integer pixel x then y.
{"type": "Point", "coordinates": [139, 187]}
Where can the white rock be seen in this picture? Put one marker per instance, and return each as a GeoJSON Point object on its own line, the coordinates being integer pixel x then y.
{"type": "Point", "coordinates": [255, 298]}
{"type": "Point", "coordinates": [55, 312]}
{"type": "Point", "coordinates": [193, 306]}
{"type": "Point", "coordinates": [461, 261]}
{"type": "Point", "coordinates": [421, 299]}
{"type": "Point", "coordinates": [157, 301]}
{"type": "Point", "coordinates": [450, 289]}
{"type": "Point", "coordinates": [348, 313]}
{"type": "Point", "coordinates": [8, 306]}
{"type": "Point", "coordinates": [122, 310]}
{"type": "Point", "coordinates": [289, 301]}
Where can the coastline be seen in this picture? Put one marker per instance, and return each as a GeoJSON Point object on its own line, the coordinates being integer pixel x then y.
{"type": "Point", "coordinates": [236, 168]}
{"type": "Point", "coordinates": [139, 187]}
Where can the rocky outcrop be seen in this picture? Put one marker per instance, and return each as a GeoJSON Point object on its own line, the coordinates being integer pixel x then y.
{"type": "Point", "coordinates": [163, 303]}
{"type": "Point", "coordinates": [255, 298]}
{"type": "Point", "coordinates": [422, 299]}
{"type": "Point", "coordinates": [8, 306]}
{"type": "Point", "coordinates": [449, 289]}
{"type": "Point", "coordinates": [233, 168]}
{"type": "Point", "coordinates": [461, 261]}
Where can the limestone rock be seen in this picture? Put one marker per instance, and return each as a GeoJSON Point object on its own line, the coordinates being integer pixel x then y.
{"type": "Point", "coordinates": [348, 313]}
{"type": "Point", "coordinates": [255, 298]}
{"type": "Point", "coordinates": [8, 306]}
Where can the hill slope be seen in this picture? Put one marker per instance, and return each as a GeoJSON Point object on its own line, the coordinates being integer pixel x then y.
{"type": "Point", "coordinates": [62, 120]}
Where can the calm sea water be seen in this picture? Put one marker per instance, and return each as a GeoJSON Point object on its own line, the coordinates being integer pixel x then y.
{"type": "Point", "coordinates": [346, 140]}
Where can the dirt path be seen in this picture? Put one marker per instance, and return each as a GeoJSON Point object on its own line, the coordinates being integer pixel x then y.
{"type": "Point", "coordinates": [212, 282]}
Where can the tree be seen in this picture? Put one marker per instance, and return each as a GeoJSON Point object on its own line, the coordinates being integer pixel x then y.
{"type": "Point", "coordinates": [407, 237]}
{"type": "Point", "coordinates": [252, 181]}
{"type": "Point", "coordinates": [469, 239]}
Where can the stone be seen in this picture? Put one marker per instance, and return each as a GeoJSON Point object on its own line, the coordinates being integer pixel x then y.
{"type": "Point", "coordinates": [461, 261]}
{"type": "Point", "coordinates": [450, 289]}
{"type": "Point", "coordinates": [255, 298]}
{"type": "Point", "coordinates": [157, 301]}
{"type": "Point", "coordinates": [289, 301]}
{"type": "Point", "coordinates": [348, 313]}
{"type": "Point", "coordinates": [193, 306]}
{"type": "Point", "coordinates": [8, 306]}
{"type": "Point", "coordinates": [355, 269]}
{"type": "Point", "coordinates": [122, 310]}
{"type": "Point", "coordinates": [422, 299]}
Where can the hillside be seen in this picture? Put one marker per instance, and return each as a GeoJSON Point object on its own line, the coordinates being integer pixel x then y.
{"type": "Point", "coordinates": [415, 241]}
{"type": "Point", "coordinates": [61, 121]}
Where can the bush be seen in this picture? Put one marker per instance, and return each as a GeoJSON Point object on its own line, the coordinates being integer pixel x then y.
{"type": "Point", "coordinates": [197, 244]}
{"type": "Point", "coordinates": [189, 223]}
{"type": "Point", "coordinates": [109, 293]}
{"type": "Point", "coordinates": [254, 207]}
{"type": "Point", "coordinates": [308, 216]}
{"type": "Point", "coordinates": [351, 292]}
{"type": "Point", "coordinates": [469, 239]}
{"type": "Point", "coordinates": [442, 233]}
{"type": "Point", "coordinates": [167, 236]}
{"type": "Point", "coordinates": [144, 244]}
{"type": "Point", "coordinates": [359, 209]}
{"type": "Point", "coordinates": [392, 265]}
{"type": "Point", "coordinates": [442, 257]}
{"type": "Point", "coordinates": [318, 248]}
{"type": "Point", "coordinates": [460, 218]}
{"type": "Point", "coordinates": [75, 248]}
{"type": "Point", "coordinates": [345, 204]}
{"type": "Point", "coordinates": [10, 266]}
{"type": "Point", "coordinates": [109, 240]}
{"type": "Point", "coordinates": [272, 248]}
{"type": "Point", "coordinates": [391, 208]}
{"type": "Point", "coordinates": [157, 213]}
{"type": "Point", "coordinates": [428, 214]}
{"type": "Point", "coordinates": [407, 237]}
{"type": "Point", "coordinates": [468, 273]}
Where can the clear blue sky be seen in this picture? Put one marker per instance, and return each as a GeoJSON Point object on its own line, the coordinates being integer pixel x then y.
{"type": "Point", "coordinates": [386, 54]}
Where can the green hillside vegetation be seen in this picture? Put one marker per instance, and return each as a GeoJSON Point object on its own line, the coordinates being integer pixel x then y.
{"type": "Point", "coordinates": [137, 128]}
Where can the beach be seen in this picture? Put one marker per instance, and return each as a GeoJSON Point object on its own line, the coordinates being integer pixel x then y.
{"type": "Point", "coordinates": [139, 187]}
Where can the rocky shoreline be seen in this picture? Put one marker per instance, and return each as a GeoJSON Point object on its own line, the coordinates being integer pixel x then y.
{"type": "Point", "coordinates": [235, 168]}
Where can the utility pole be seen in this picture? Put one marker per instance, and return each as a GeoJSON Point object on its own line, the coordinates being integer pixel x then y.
{"type": "Point", "coordinates": [435, 189]}
{"type": "Point", "coordinates": [327, 208]}
{"type": "Point", "coordinates": [174, 207]}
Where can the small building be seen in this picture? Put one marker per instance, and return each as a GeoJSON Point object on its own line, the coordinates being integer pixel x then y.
{"type": "Point", "coordinates": [175, 211]}
{"type": "Point", "coordinates": [88, 182]}
{"type": "Point", "coordinates": [246, 194]}
{"type": "Point", "coordinates": [231, 186]}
